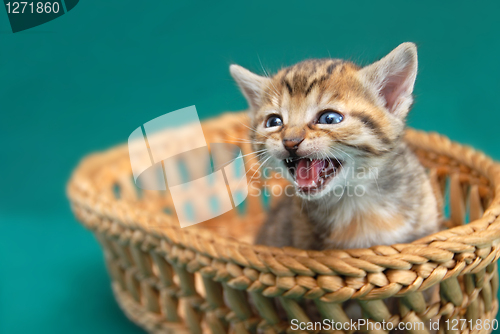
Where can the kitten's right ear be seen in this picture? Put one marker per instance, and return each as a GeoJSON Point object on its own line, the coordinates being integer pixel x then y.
{"type": "Point", "coordinates": [251, 85]}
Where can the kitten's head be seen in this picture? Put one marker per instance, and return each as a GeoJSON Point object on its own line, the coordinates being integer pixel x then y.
{"type": "Point", "coordinates": [324, 116]}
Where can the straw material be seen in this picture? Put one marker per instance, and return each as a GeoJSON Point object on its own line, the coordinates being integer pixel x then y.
{"type": "Point", "coordinates": [210, 278]}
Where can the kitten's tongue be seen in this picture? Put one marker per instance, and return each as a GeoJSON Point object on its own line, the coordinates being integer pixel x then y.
{"type": "Point", "coordinates": [307, 173]}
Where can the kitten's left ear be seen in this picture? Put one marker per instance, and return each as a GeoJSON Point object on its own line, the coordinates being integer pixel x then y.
{"type": "Point", "coordinates": [392, 78]}
{"type": "Point", "coordinates": [251, 85]}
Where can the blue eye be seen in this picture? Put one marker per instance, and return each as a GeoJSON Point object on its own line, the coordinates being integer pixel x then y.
{"type": "Point", "coordinates": [330, 117]}
{"type": "Point", "coordinates": [274, 121]}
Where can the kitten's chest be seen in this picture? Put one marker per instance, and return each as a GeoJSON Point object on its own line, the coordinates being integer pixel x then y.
{"type": "Point", "coordinates": [364, 230]}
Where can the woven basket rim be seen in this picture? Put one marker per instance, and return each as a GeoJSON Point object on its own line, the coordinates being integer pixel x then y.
{"type": "Point", "coordinates": [437, 248]}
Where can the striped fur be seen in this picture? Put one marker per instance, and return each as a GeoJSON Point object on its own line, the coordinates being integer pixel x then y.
{"type": "Point", "coordinates": [397, 204]}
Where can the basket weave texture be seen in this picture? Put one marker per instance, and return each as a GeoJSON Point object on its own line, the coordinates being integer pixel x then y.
{"type": "Point", "coordinates": [210, 278]}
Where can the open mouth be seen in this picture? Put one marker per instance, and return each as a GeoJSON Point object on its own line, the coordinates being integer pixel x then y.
{"type": "Point", "coordinates": [311, 175]}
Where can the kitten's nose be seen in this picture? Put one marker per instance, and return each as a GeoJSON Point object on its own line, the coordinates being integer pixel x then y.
{"type": "Point", "coordinates": [292, 144]}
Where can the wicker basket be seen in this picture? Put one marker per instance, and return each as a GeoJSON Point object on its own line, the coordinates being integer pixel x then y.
{"type": "Point", "coordinates": [210, 278]}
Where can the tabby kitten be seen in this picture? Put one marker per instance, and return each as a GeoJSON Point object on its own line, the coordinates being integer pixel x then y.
{"type": "Point", "coordinates": [336, 130]}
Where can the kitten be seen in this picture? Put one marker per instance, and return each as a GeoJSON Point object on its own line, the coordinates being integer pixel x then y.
{"type": "Point", "coordinates": [336, 130]}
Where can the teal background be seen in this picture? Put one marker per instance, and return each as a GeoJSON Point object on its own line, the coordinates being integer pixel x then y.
{"type": "Point", "coordinates": [85, 81]}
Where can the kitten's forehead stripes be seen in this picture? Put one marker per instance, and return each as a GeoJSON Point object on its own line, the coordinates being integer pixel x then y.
{"type": "Point", "coordinates": [302, 77]}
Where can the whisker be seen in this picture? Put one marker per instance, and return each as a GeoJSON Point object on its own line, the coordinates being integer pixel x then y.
{"type": "Point", "coordinates": [245, 141]}
{"type": "Point", "coordinates": [254, 130]}
{"type": "Point", "coordinates": [256, 163]}
{"type": "Point", "coordinates": [342, 151]}
{"type": "Point", "coordinates": [255, 152]}
{"type": "Point", "coordinates": [337, 160]}
{"type": "Point", "coordinates": [267, 75]}
{"type": "Point", "coordinates": [261, 165]}
{"type": "Point", "coordinates": [257, 156]}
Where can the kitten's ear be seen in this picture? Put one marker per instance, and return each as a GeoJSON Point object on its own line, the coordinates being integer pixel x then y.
{"type": "Point", "coordinates": [251, 85]}
{"type": "Point", "coordinates": [392, 78]}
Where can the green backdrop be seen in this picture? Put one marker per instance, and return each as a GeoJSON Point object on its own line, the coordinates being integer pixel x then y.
{"type": "Point", "coordinates": [86, 80]}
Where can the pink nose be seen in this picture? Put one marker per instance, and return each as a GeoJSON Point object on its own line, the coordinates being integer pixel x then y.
{"type": "Point", "coordinates": [292, 144]}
